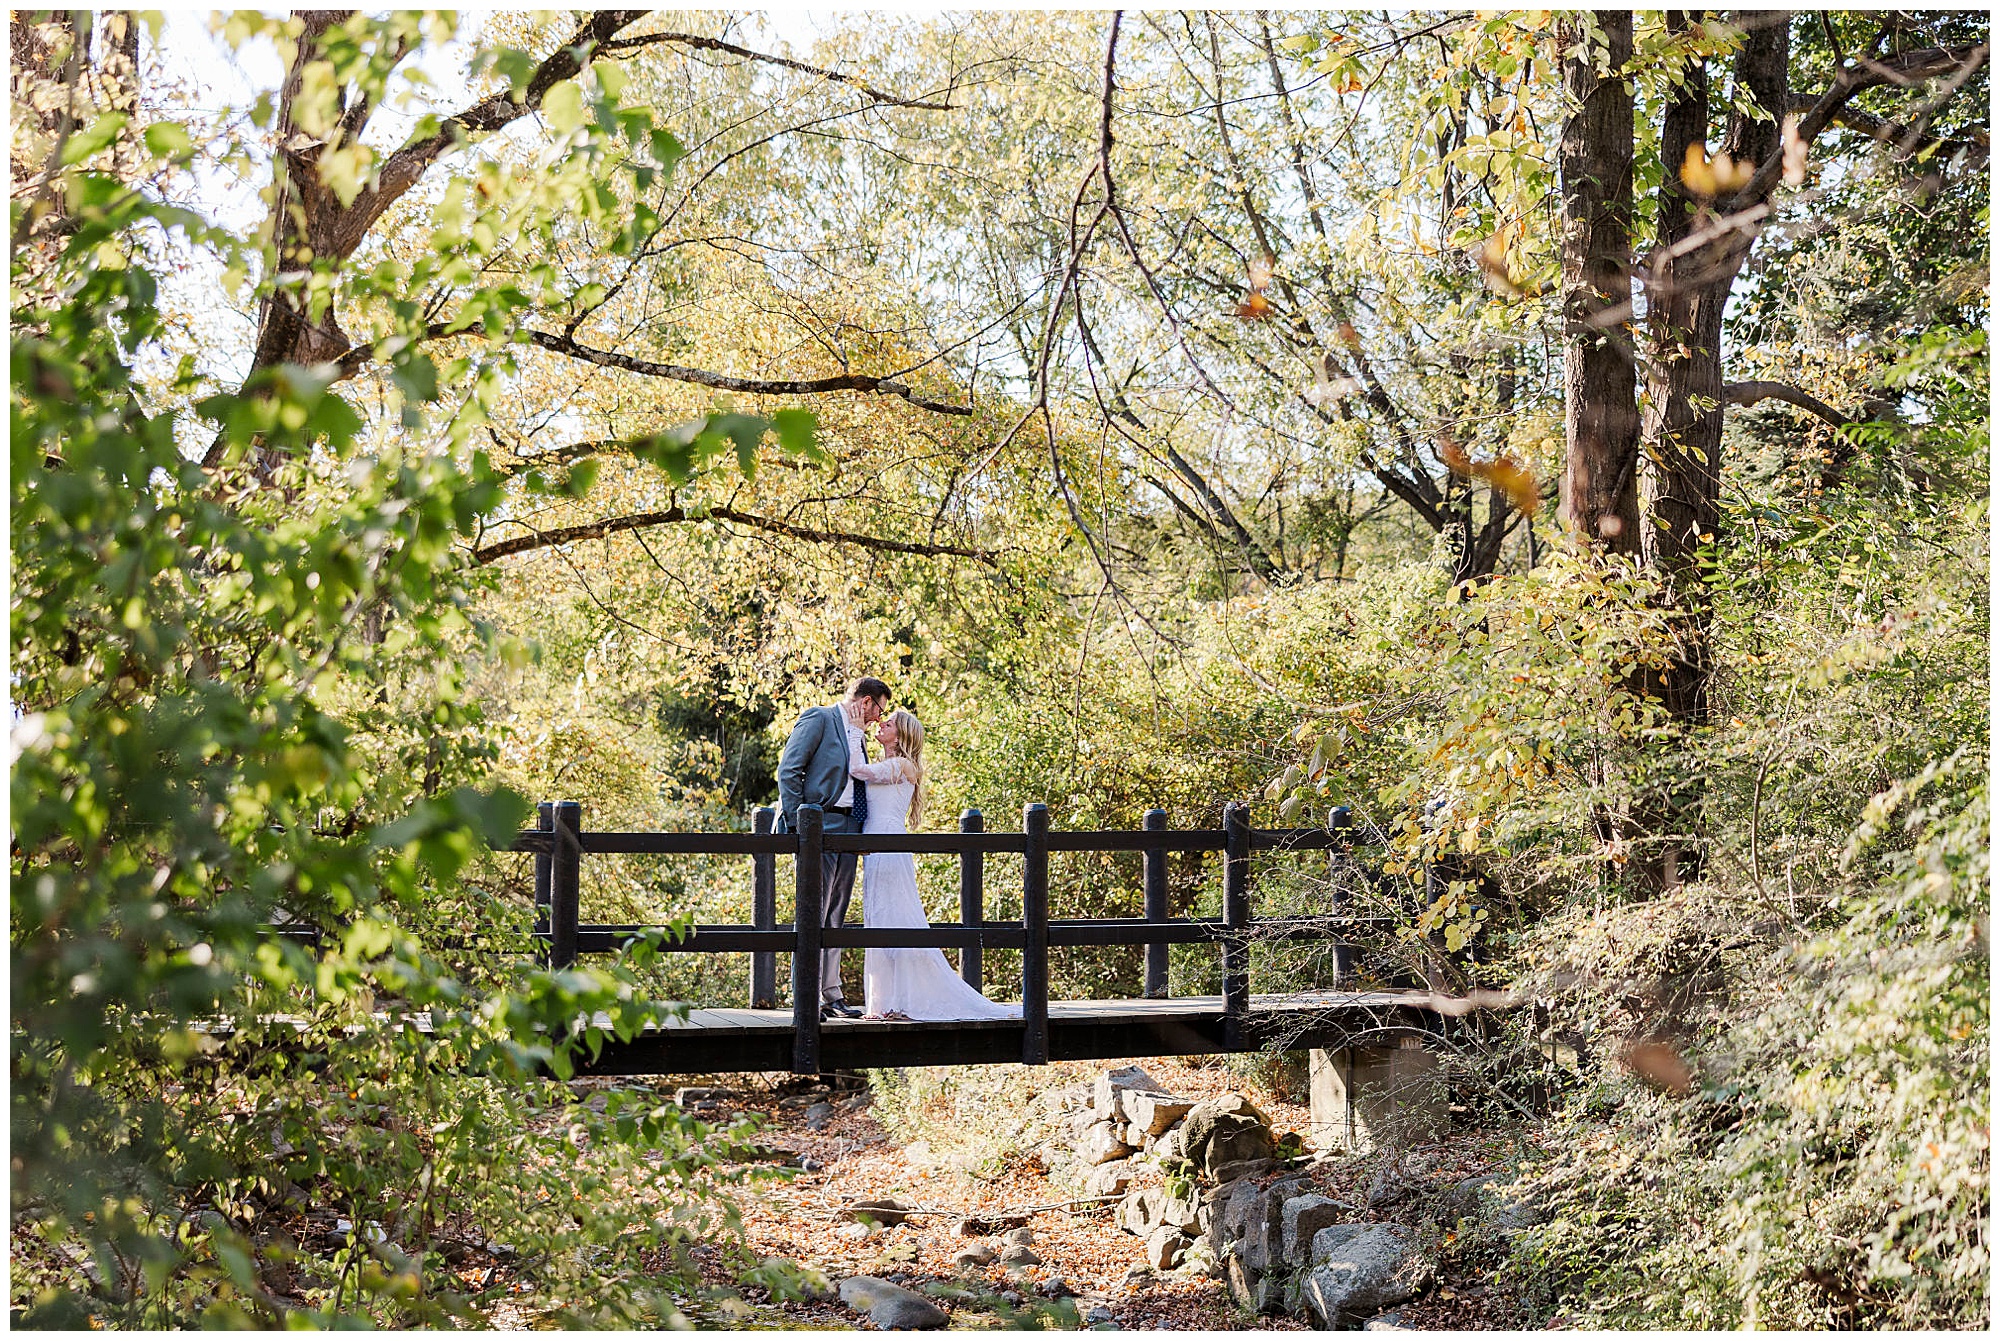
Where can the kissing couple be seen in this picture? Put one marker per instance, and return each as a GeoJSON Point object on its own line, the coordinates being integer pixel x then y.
{"type": "Point", "coordinates": [826, 764]}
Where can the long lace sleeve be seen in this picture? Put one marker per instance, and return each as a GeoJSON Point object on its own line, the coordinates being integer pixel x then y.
{"type": "Point", "coordinates": [888, 771]}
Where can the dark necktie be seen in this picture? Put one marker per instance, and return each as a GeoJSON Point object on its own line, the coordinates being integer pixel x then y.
{"type": "Point", "coordinates": [860, 810]}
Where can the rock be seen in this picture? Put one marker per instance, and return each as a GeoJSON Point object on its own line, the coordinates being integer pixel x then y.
{"type": "Point", "coordinates": [862, 1293]}
{"type": "Point", "coordinates": [818, 1115]}
{"type": "Point", "coordinates": [908, 1312]}
{"type": "Point", "coordinates": [882, 1210]}
{"type": "Point", "coordinates": [974, 1255]}
{"type": "Point", "coordinates": [1387, 1187]}
{"type": "Point", "coordinates": [1055, 1287]}
{"type": "Point", "coordinates": [1153, 1113]}
{"type": "Point", "coordinates": [1019, 1255]}
{"type": "Point", "coordinates": [1240, 1169]}
{"type": "Point", "coordinates": [1105, 1099]}
{"type": "Point", "coordinates": [1099, 1144]}
{"type": "Point", "coordinates": [1227, 1129]}
{"type": "Point", "coordinates": [1097, 1313]}
{"type": "Point", "coordinates": [1387, 1322]}
{"type": "Point", "coordinates": [1242, 1281]}
{"type": "Point", "coordinates": [1168, 1145]}
{"type": "Point", "coordinates": [1264, 1233]}
{"type": "Point", "coordinates": [1011, 1297]}
{"type": "Point", "coordinates": [1019, 1234]}
{"type": "Point", "coordinates": [1270, 1297]}
{"type": "Point", "coordinates": [1299, 1219]}
{"type": "Point", "coordinates": [1109, 1180]}
{"type": "Point", "coordinates": [1165, 1248]}
{"type": "Point", "coordinates": [1489, 1200]}
{"type": "Point", "coordinates": [696, 1094]}
{"type": "Point", "coordinates": [1149, 1208]}
{"type": "Point", "coordinates": [859, 1231]}
{"type": "Point", "coordinates": [1138, 1271]}
{"type": "Point", "coordinates": [1358, 1270]}
{"type": "Point", "coordinates": [976, 1226]}
{"type": "Point", "coordinates": [1230, 1211]}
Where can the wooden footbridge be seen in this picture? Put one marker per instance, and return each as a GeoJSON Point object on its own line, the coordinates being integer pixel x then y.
{"type": "Point", "coordinates": [763, 1037]}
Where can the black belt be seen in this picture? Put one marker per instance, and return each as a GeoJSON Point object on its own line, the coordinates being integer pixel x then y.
{"type": "Point", "coordinates": [841, 810]}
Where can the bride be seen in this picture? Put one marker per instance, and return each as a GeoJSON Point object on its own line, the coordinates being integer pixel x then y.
{"type": "Point", "coordinates": [913, 984]}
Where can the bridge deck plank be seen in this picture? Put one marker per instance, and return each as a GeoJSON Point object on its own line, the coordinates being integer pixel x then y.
{"type": "Point", "coordinates": [737, 1039]}
{"type": "Point", "coordinates": [743, 1019]}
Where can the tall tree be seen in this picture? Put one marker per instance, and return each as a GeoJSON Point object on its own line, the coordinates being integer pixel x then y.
{"type": "Point", "coordinates": [1709, 212]}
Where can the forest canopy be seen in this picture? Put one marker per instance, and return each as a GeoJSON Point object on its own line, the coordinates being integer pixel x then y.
{"type": "Point", "coordinates": [1560, 438]}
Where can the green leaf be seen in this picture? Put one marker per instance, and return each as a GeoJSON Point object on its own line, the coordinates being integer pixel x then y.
{"type": "Point", "coordinates": [87, 142]}
{"type": "Point", "coordinates": [563, 106]}
{"type": "Point", "coordinates": [168, 139]}
{"type": "Point", "coordinates": [797, 432]}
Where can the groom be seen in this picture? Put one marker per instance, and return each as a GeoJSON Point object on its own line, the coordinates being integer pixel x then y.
{"type": "Point", "coordinates": [813, 771]}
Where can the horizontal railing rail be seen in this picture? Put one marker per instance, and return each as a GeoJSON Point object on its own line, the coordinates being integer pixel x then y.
{"type": "Point", "coordinates": [560, 843]}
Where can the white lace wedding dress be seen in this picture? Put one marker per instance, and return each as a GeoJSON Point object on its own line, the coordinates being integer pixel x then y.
{"type": "Point", "coordinates": [920, 983]}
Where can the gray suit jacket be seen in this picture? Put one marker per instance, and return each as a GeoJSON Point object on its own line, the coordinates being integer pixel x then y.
{"type": "Point", "coordinates": [813, 768]}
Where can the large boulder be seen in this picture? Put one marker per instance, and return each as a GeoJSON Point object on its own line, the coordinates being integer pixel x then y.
{"type": "Point", "coordinates": [1227, 1129]}
{"type": "Point", "coordinates": [1231, 1211]}
{"type": "Point", "coordinates": [1359, 1270]}
{"type": "Point", "coordinates": [1153, 1113]}
{"type": "Point", "coordinates": [1300, 1218]}
{"type": "Point", "coordinates": [1247, 1222]}
{"type": "Point", "coordinates": [891, 1307]}
{"type": "Point", "coordinates": [908, 1313]}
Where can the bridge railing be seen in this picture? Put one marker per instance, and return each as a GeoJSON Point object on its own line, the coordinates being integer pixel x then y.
{"type": "Point", "coordinates": [560, 842]}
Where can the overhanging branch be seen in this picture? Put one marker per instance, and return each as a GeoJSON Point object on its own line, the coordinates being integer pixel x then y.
{"type": "Point", "coordinates": [598, 530]}
{"type": "Point", "coordinates": [761, 386]}
{"type": "Point", "coordinates": [697, 43]}
{"type": "Point", "coordinates": [1750, 393]}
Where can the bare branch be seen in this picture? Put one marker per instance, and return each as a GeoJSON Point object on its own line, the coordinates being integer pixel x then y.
{"type": "Point", "coordinates": [1750, 393]}
{"type": "Point", "coordinates": [598, 530]}
{"type": "Point", "coordinates": [697, 43]}
{"type": "Point", "coordinates": [1904, 70]}
{"type": "Point", "coordinates": [1904, 140]}
{"type": "Point", "coordinates": [762, 386]}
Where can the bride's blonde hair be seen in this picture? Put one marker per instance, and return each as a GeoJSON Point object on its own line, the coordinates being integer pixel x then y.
{"type": "Point", "coordinates": [910, 745]}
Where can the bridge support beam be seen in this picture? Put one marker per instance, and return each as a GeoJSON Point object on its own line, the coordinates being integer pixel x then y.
{"type": "Point", "coordinates": [1363, 1098]}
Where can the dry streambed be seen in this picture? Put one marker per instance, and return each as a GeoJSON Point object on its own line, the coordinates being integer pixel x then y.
{"type": "Point", "coordinates": [911, 1236]}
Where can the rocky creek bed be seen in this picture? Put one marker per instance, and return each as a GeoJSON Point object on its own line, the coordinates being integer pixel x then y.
{"type": "Point", "coordinates": [1159, 1196]}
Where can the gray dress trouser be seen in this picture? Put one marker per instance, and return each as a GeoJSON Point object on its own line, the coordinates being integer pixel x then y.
{"type": "Point", "coordinates": [837, 890]}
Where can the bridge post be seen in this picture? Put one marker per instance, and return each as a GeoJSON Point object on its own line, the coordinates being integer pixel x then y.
{"type": "Point", "coordinates": [1035, 925]}
{"type": "Point", "coordinates": [1236, 922]}
{"type": "Point", "coordinates": [806, 912]}
{"type": "Point", "coordinates": [1339, 866]}
{"type": "Point", "coordinates": [763, 913]}
{"type": "Point", "coordinates": [1156, 905]}
{"type": "Point", "coordinates": [545, 821]}
{"type": "Point", "coordinates": [565, 883]}
{"type": "Point", "coordinates": [971, 900]}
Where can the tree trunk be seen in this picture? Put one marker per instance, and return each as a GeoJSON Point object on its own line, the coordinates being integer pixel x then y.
{"type": "Point", "coordinates": [1600, 498]}
{"type": "Point", "coordinates": [1685, 298]}
{"type": "Point", "coordinates": [1681, 476]}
